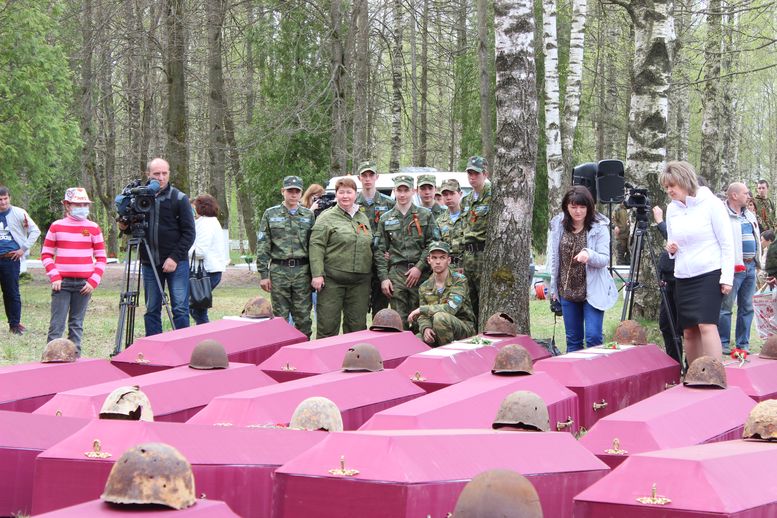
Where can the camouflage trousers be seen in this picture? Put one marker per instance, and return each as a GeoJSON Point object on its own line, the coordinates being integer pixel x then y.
{"type": "Point", "coordinates": [448, 328]}
{"type": "Point", "coordinates": [378, 300]}
{"type": "Point", "coordinates": [291, 294]}
{"type": "Point", "coordinates": [473, 262]}
{"type": "Point", "coordinates": [404, 299]}
{"type": "Point", "coordinates": [345, 299]}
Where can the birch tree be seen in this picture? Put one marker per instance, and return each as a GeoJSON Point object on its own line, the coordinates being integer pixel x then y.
{"type": "Point", "coordinates": [574, 81]}
{"type": "Point", "coordinates": [396, 82]}
{"type": "Point", "coordinates": [486, 129]}
{"type": "Point", "coordinates": [554, 158]}
{"type": "Point", "coordinates": [710, 143]}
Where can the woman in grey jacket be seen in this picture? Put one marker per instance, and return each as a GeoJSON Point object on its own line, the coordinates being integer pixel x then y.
{"type": "Point", "coordinates": [579, 278]}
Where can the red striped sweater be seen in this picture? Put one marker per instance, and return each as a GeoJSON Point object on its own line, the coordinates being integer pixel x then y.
{"type": "Point", "coordinates": [69, 247]}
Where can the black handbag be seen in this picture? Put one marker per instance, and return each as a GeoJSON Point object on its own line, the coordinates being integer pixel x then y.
{"type": "Point", "coordinates": [200, 291]}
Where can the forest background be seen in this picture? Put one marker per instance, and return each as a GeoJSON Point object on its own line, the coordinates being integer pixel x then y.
{"type": "Point", "coordinates": [237, 94]}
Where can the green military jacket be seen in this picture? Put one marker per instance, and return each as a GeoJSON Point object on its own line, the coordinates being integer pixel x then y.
{"type": "Point", "coordinates": [475, 214]}
{"type": "Point", "coordinates": [283, 235]}
{"type": "Point", "coordinates": [380, 205]}
{"type": "Point", "coordinates": [620, 217]}
{"type": "Point", "coordinates": [405, 238]}
{"type": "Point", "coordinates": [452, 232]}
{"type": "Point", "coordinates": [454, 299]}
{"type": "Point", "coordinates": [764, 213]}
{"type": "Point", "coordinates": [437, 211]}
{"type": "Point", "coordinates": [340, 242]}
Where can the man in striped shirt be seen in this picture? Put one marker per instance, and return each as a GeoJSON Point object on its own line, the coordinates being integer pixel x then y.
{"type": "Point", "coordinates": [73, 255]}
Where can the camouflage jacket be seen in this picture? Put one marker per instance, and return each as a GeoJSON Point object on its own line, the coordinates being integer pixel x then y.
{"type": "Point", "coordinates": [282, 235]}
{"type": "Point", "coordinates": [405, 238]}
{"type": "Point", "coordinates": [476, 214]}
{"type": "Point", "coordinates": [452, 232]}
{"type": "Point", "coordinates": [764, 212]}
{"type": "Point", "coordinates": [436, 209]}
{"type": "Point", "coordinates": [380, 205]}
{"type": "Point", "coordinates": [341, 242]}
{"type": "Point", "coordinates": [454, 299]}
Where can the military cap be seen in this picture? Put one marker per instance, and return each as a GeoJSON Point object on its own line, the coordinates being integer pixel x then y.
{"type": "Point", "coordinates": [367, 166]}
{"type": "Point", "coordinates": [292, 182]}
{"type": "Point", "coordinates": [450, 185]}
{"type": "Point", "coordinates": [405, 180]}
{"type": "Point", "coordinates": [427, 179]}
{"type": "Point", "coordinates": [442, 246]}
{"type": "Point", "coordinates": [477, 164]}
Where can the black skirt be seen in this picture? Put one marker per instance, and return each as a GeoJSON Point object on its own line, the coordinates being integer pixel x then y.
{"type": "Point", "coordinates": [698, 299]}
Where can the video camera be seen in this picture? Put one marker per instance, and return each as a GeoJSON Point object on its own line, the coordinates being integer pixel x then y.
{"type": "Point", "coordinates": [134, 203]}
{"type": "Point", "coordinates": [637, 198]}
{"type": "Point", "coordinates": [324, 201]}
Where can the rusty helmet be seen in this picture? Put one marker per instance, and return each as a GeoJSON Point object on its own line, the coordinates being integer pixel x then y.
{"type": "Point", "coordinates": [630, 332]}
{"type": "Point", "coordinates": [151, 473]}
{"type": "Point", "coordinates": [317, 413]}
{"type": "Point", "coordinates": [209, 354]}
{"type": "Point", "coordinates": [257, 307]}
{"type": "Point", "coordinates": [363, 357]}
{"type": "Point", "coordinates": [523, 409]}
{"type": "Point", "coordinates": [762, 421]}
{"type": "Point", "coordinates": [500, 324]}
{"type": "Point", "coordinates": [706, 371]}
{"type": "Point", "coordinates": [387, 319]}
{"type": "Point", "coordinates": [512, 359]}
{"type": "Point", "coordinates": [127, 403]}
{"type": "Point", "coordinates": [769, 349]}
{"type": "Point", "coordinates": [498, 492]}
{"type": "Point", "coordinates": [60, 350]}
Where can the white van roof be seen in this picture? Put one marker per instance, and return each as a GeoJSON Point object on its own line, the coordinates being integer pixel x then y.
{"type": "Point", "coordinates": [385, 182]}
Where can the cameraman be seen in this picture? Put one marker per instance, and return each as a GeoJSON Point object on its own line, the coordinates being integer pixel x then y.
{"type": "Point", "coordinates": [170, 234]}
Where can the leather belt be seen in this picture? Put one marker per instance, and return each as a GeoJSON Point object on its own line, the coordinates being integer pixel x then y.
{"type": "Point", "coordinates": [749, 259]}
{"type": "Point", "coordinates": [290, 263]}
{"type": "Point", "coordinates": [477, 246]}
{"type": "Point", "coordinates": [403, 265]}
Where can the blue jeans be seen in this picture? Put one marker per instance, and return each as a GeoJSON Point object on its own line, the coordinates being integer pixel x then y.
{"type": "Point", "coordinates": [200, 316]}
{"type": "Point", "coordinates": [178, 286]}
{"type": "Point", "coordinates": [68, 306]}
{"type": "Point", "coordinates": [12, 298]}
{"type": "Point", "coordinates": [742, 293]}
{"type": "Point", "coordinates": [581, 319]}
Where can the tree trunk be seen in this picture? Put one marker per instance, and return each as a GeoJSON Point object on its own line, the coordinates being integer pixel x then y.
{"type": "Point", "coordinates": [729, 116]}
{"type": "Point", "coordinates": [217, 179]}
{"type": "Point", "coordinates": [710, 131]}
{"type": "Point", "coordinates": [133, 90]}
{"type": "Point", "coordinates": [484, 60]}
{"type": "Point", "coordinates": [339, 151]}
{"type": "Point", "coordinates": [414, 124]}
{"type": "Point", "coordinates": [554, 159]}
{"type": "Point", "coordinates": [505, 283]}
{"type": "Point", "coordinates": [423, 132]}
{"type": "Point", "coordinates": [679, 93]}
{"type": "Point", "coordinates": [396, 82]}
{"type": "Point", "coordinates": [177, 151]}
{"type": "Point", "coordinates": [244, 202]}
{"type": "Point", "coordinates": [574, 83]}
{"type": "Point", "coordinates": [361, 82]}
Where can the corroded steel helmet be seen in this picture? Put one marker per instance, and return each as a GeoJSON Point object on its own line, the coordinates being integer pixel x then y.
{"type": "Point", "coordinates": [769, 349]}
{"type": "Point", "coordinates": [128, 403]}
{"type": "Point", "coordinates": [762, 421]}
{"type": "Point", "coordinates": [59, 350]}
{"type": "Point", "coordinates": [512, 359]}
{"type": "Point", "coordinates": [151, 473]}
{"type": "Point", "coordinates": [363, 357]}
{"type": "Point", "coordinates": [523, 409]}
{"type": "Point", "coordinates": [630, 332]}
{"type": "Point", "coordinates": [257, 307]}
{"type": "Point", "coordinates": [317, 413]}
{"type": "Point", "coordinates": [387, 320]}
{"type": "Point", "coordinates": [706, 371]}
{"type": "Point", "coordinates": [209, 354]}
{"type": "Point", "coordinates": [498, 492]}
{"type": "Point", "coordinates": [500, 324]}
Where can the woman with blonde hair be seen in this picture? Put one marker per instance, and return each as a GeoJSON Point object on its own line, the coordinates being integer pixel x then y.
{"type": "Point", "coordinates": [311, 196]}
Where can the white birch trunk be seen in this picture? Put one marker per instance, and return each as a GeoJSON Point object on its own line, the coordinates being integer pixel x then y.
{"type": "Point", "coordinates": [710, 130]}
{"type": "Point", "coordinates": [574, 81]}
{"type": "Point", "coordinates": [554, 158]}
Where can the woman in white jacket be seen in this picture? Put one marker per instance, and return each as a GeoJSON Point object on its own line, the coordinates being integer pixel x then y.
{"type": "Point", "coordinates": [209, 246]}
{"type": "Point", "coordinates": [701, 243]}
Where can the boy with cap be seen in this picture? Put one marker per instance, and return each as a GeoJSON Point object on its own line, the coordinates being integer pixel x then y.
{"type": "Point", "coordinates": [73, 255]}
{"type": "Point", "coordinates": [404, 232]}
{"type": "Point", "coordinates": [282, 256]}
{"type": "Point", "coordinates": [373, 204]}
{"type": "Point", "coordinates": [476, 206]}
{"type": "Point", "coordinates": [427, 188]}
{"type": "Point", "coordinates": [445, 313]}
{"type": "Point", "coordinates": [451, 223]}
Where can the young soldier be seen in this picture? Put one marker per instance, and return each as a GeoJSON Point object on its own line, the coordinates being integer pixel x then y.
{"type": "Point", "coordinates": [476, 207]}
{"type": "Point", "coordinates": [451, 223]}
{"type": "Point", "coordinates": [373, 204]}
{"type": "Point", "coordinates": [282, 255]}
{"type": "Point", "coordinates": [445, 313]}
{"type": "Point", "coordinates": [404, 232]}
{"type": "Point", "coordinates": [427, 188]}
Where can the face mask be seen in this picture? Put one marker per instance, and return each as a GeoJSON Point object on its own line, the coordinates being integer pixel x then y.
{"type": "Point", "coordinates": [79, 213]}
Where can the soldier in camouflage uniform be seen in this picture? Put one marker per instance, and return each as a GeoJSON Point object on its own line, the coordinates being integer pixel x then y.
{"type": "Point", "coordinates": [764, 207]}
{"type": "Point", "coordinates": [282, 256]}
{"type": "Point", "coordinates": [427, 188]}
{"type": "Point", "coordinates": [451, 223]}
{"type": "Point", "coordinates": [404, 232]}
{"type": "Point", "coordinates": [445, 313]}
{"type": "Point", "coordinates": [373, 204]}
{"type": "Point", "coordinates": [476, 207]}
{"type": "Point", "coordinates": [620, 219]}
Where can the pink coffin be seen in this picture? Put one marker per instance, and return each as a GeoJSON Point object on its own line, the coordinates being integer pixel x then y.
{"type": "Point", "coordinates": [22, 437]}
{"type": "Point", "coordinates": [474, 403]}
{"type": "Point", "coordinates": [235, 465]}
{"type": "Point", "coordinates": [204, 508]}
{"type": "Point", "coordinates": [757, 377]}
{"type": "Point", "coordinates": [612, 379]}
{"type": "Point", "coordinates": [724, 479]}
{"type": "Point", "coordinates": [326, 355]}
{"type": "Point", "coordinates": [246, 341]}
{"type": "Point", "coordinates": [421, 472]}
{"type": "Point", "coordinates": [175, 394]}
{"type": "Point", "coordinates": [25, 387]}
{"type": "Point", "coordinates": [536, 351]}
{"type": "Point", "coordinates": [447, 365]}
{"type": "Point", "coordinates": [680, 416]}
{"type": "Point", "coordinates": [358, 395]}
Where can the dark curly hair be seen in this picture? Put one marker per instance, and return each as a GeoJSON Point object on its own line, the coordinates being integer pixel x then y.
{"type": "Point", "coordinates": [206, 205]}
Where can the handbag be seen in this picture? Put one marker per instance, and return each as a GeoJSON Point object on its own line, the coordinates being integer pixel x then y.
{"type": "Point", "coordinates": [200, 291]}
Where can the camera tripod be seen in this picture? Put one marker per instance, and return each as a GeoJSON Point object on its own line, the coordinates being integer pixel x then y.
{"type": "Point", "coordinates": [128, 300]}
